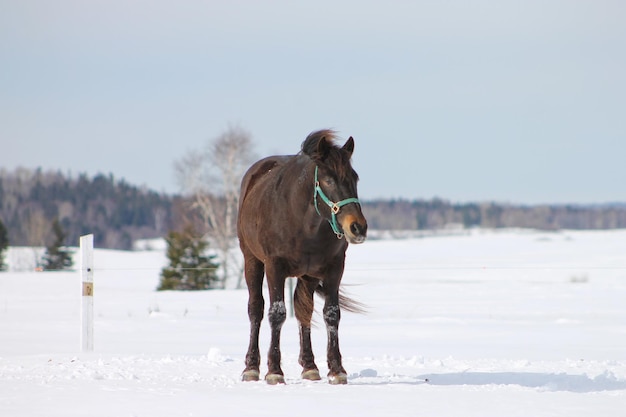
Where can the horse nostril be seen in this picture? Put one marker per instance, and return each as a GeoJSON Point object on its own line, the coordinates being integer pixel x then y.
{"type": "Point", "coordinates": [357, 229]}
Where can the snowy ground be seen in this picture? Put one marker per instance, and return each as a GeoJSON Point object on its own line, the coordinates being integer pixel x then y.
{"type": "Point", "coordinates": [511, 323]}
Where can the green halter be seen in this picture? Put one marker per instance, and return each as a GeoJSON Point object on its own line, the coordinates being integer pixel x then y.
{"type": "Point", "coordinates": [334, 207]}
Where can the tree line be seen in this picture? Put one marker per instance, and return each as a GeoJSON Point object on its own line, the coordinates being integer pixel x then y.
{"type": "Point", "coordinates": [440, 214]}
{"type": "Point", "coordinates": [118, 213]}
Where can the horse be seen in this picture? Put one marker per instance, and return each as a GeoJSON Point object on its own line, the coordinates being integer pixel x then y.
{"type": "Point", "coordinates": [297, 215]}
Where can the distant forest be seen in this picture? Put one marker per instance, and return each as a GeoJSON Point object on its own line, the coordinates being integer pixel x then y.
{"type": "Point", "coordinates": [118, 213]}
{"type": "Point", "coordinates": [441, 214]}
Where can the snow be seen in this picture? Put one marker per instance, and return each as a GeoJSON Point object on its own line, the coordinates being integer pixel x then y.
{"type": "Point", "coordinates": [507, 323]}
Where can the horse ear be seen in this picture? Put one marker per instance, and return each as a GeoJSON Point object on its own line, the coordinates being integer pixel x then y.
{"type": "Point", "coordinates": [323, 148]}
{"type": "Point", "coordinates": [349, 146]}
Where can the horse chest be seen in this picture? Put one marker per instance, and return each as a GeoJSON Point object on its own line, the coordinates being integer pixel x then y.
{"type": "Point", "coordinates": [306, 261]}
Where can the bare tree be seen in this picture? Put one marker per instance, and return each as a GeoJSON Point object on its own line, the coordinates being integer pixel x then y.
{"type": "Point", "coordinates": [212, 176]}
{"type": "Point", "coordinates": [37, 230]}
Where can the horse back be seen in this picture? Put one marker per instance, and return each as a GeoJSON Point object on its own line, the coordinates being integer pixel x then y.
{"type": "Point", "coordinates": [258, 172]}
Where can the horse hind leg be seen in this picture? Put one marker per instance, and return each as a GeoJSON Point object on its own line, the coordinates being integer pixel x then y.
{"type": "Point", "coordinates": [254, 271]}
{"type": "Point", "coordinates": [303, 301]}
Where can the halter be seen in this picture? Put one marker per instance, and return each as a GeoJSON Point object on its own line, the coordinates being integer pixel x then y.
{"type": "Point", "coordinates": [334, 207]}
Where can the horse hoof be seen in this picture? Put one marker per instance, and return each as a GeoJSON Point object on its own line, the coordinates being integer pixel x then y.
{"type": "Point", "coordinates": [274, 379]}
{"type": "Point", "coordinates": [339, 379]}
{"type": "Point", "coordinates": [251, 375]}
{"type": "Point", "coordinates": [311, 375]}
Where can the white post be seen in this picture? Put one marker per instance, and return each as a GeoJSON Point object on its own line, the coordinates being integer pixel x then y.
{"type": "Point", "coordinates": [86, 274]}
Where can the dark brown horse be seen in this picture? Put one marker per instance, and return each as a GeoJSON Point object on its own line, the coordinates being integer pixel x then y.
{"type": "Point", "coordinates": [297, 215]}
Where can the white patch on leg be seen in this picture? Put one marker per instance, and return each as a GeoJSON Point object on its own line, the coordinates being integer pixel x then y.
{"type": "Point", "coordinates": [278, 307]}
{"type": "Point", "coordinates": [331, 314]}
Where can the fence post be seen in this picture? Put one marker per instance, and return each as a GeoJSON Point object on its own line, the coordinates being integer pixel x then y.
{"type": "Point", "coordinates": [86, 274]}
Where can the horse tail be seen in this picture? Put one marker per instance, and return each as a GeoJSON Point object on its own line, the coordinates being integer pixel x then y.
{"type": "Point", "coordinates": [303, 302]}
{"type": "Point", "coordinates": [346, 303]}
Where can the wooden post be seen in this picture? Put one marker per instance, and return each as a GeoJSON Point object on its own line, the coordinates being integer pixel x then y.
{"type": "Point", "coordinates": [86, 274]}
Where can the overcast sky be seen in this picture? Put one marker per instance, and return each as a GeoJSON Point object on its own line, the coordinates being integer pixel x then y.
{"type": "Point", "coordinates": [512, 101]}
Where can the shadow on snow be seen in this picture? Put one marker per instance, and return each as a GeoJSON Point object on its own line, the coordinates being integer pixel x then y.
{"type": "Point", "coordinates": [546, 381]}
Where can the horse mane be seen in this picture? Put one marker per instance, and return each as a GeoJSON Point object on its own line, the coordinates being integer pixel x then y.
{"type": "Point", "coordinates": [321, 147]}
{"type": "Point", "coordinates": [311, 144]}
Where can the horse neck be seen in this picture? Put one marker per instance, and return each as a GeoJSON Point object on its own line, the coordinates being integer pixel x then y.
{"type": "Point", "coordinates": [301, 201]}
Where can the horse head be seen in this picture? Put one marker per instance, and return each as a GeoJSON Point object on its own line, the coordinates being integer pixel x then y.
{"type": "Point", "coordinates": [335, 185]}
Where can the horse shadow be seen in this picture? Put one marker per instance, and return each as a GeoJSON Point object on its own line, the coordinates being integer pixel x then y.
{"type": "Point", "coordinates": [542, 381]}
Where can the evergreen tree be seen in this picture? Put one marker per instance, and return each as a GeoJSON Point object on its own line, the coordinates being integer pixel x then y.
{"type": "Point", "coordinates": [57, 256]}
{"type": "Point", "coordinates": [190, 268]}
{"type": "Point", "coordinates": [4, 244]}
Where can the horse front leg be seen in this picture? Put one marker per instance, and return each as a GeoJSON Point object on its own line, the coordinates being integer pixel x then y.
{"type": "Point", "coordinates": [254, 271]}
{"type": "Point", "coordinates": [277, 315]}
{"type": "Point", "coordinates": [332, 315]}
{"type": "Point", "coordinates": [303, 301]}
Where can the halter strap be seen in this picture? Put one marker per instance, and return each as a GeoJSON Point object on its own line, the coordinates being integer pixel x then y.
{"type": "Point", "coordinates": [334, 207]}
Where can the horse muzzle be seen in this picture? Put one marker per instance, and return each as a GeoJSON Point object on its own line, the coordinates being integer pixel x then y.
{"type": "Point", "coordinates": [354, 228]}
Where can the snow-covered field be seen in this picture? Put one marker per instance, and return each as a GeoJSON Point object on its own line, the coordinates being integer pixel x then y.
{"type": "Point", "coordinates": [509, 323]}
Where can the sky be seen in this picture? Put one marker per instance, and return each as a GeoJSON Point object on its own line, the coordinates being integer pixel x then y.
{"type": "Point", "coordinates": [492, 100]}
